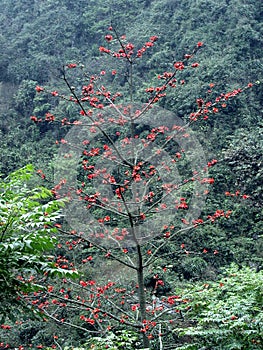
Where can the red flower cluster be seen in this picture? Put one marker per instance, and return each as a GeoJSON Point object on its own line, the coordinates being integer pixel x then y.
{"type": "Point", "coordinates": [212, 162]}
{"type": "Point", "coordinates": [5, 326]}
{"type": "Point", "coordinates": [88, 283]}
{"type": "Point", "coordinates": [237, 194]}
{"type": "Point", "coordinates": [182, 204]}
{"type": "Point", "coordinates": [218, 214]}
{"type": "Point", "coordinates": [39, 88]}
{"type": "Point", "coordinates": [108, 37]}
{"type": "Point", "coordinates": [179, 65]}
{"type": "Point", "coordinates": [127, 49]}
{"type": "Point", "coordinates": [72, 65]}
{"type": "Point", "coordinates": [207, 181]}
{"type": "Point", "coordinates": [87, 319]}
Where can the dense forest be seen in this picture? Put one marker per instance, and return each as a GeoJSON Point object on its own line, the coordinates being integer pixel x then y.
{"type": "Point", "coordinates": [202, 287]}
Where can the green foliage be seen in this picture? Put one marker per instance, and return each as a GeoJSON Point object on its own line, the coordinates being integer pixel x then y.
{"type": "Point", "coordinates": [244, 158]}
{"type": "Point", "coordinates": [226, 314]}
{"type": "Point", "coordinates": [122, 340]}
{"type": "Point", "coordinates": [27, 232]}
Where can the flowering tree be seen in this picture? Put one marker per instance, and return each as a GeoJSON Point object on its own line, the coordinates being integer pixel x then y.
{"type": "Point", "coordinates": [135, 177]}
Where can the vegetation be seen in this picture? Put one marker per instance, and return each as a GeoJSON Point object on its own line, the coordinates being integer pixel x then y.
{"type": "Point", "coordinates": [27, 232]}
{"type": "Point", "coordinates": [227, 313]}
{"type": "Point", "coordinates": [187, 292]}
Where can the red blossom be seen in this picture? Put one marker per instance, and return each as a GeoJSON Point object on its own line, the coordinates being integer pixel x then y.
{"type": "Point", "coordinates": [103, 49]}
{"type": "Point", "coordinates": [160, 283]}
{"type": "Point", "coordinates": [109, 37]}
{"type": "Point", "coordinates": [49, 117]}
{"type": "Point", "coordinates": [72, 65]}
{"type": "Point", "coordinates": [134, 307]}
{"type": "Point", "coordinates": [153, 38]}
{"type": "Point", "coordinates": [39, 88]}
{"type": "Point", "coordinates": [215, 110]}
{"type": "Point", "coordinates": [83, 283]}
{"type": "Point", "coordinates": [129, 46]}
{"type": "Point", "coordinates": [34, 118]}
{"type": "Point", "coordinates": [89, 258]}
{"type": "Point", "coordinates": [90, 321]}
{"type": "Point", "coordinates": [179, 65]}
{"type": "Point", "coordinates": [200, 102]}
{"type": "Point", "coordinates": [212, 162]}
{"type": "Point", "coordinates": [150, 89]}
{"type": "Point", "coordinates": [198, 222]}
{"type": "Point", "coordinates": [167, 234]}
{"type": "Point", "coordinates": [233, 317]}
{"type": "Point", "coordinates": [178, 155]}
{"type": "Point", "coordinates": [208, 181]}
{"type": "Point", "coordinates": [227, 193]}
{"type": "Point", "coordinates": [5, 326]}
{"type": "Point", "coordinates": [182, 205]}
{"type": "Point", "coordinates": [149, 44]}
{"type": "Point", "coordinates": [50, 289]}
{"type": "Point", "coordinates": [118, 191]}
{"type": "Point", "coordinates": [142, 216]}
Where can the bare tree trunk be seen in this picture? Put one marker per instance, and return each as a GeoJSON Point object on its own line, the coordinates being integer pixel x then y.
{"type": "Point", "coordinates": [141, 294]}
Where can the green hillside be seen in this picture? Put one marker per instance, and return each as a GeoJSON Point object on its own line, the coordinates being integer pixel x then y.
{"type": "Point", "coordinates": [39, 38]}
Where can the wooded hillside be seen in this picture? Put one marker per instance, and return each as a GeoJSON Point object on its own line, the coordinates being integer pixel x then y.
{"type": "Point", "coordinates": [38, 39]}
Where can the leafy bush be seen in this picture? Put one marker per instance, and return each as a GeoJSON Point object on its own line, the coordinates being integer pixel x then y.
{"type": "Point", "coordinates": [27, 232]}
{"type": "Point", "coordinates": [121, 340]}
{"type": "Point", "coordinates": [227, 314]}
